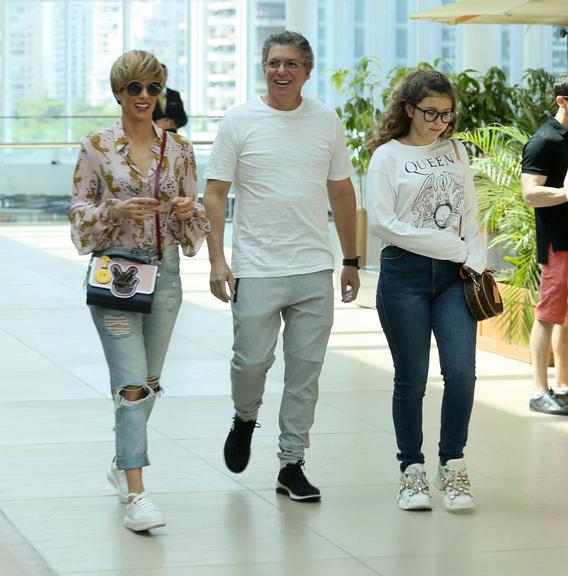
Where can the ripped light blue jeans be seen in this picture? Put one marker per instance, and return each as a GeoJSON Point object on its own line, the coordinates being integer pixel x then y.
{"type": "Point", "coordinates": [135, 347]}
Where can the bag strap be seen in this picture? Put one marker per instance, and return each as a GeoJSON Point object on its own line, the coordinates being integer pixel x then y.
{"type": "Point", "coordinates": [157, 192]}
{"type": "Point", "coordinates": [456, 150]}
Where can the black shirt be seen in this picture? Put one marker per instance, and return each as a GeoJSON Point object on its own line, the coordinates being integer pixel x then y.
{"type": "Point", "coordinates": [546, 154]}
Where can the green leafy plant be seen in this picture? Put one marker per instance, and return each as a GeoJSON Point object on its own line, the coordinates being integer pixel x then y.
{"type": "Point", "coordinates": [486, 99]}
{"type": "Point", "coordinates": [359, 114]}
{"type": "Point", "coordinates": [508, 220]}
{"type": "Point", "coordinates": [534, 100]}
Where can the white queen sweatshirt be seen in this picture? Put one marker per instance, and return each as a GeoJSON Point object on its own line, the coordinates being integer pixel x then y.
{"type": "Point", "coordinates": [422, 199]}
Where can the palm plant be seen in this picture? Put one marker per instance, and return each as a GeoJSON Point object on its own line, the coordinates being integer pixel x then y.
{"type": "Point", "coordinates": [508, 220]}
{"type": "Point", "coordinates": [358, 114]}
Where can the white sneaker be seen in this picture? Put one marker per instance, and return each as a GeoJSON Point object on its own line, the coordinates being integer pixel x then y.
{"type": "Point", "coordinates": [118, 479]}
{"type": "Point", "coordinates": [453, 481]}
{"type": "Point", "coordinates": [142, 514]}
{"type": "Point", "coordinates": [414, 493]}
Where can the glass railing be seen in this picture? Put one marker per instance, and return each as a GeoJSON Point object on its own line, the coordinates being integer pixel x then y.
{"type": "Point", "coordinates": [37, 170]}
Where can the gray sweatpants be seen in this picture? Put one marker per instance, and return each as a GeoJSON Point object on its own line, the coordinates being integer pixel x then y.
{"type": "Point", "coordinates": [305, 303]}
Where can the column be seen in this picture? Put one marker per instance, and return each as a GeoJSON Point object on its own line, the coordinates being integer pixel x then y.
{"type": "Point", "coordinates": [481, 46]}
{"type": "Point", "coordinates": [537, 47]}
{"type": "Point", "coordinates": [302, 17]}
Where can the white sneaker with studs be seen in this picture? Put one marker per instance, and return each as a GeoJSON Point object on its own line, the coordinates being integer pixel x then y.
{"type": "Point", "coordinates": [414, 492]}
{"type": "Point", "coordinates": [453, 480]}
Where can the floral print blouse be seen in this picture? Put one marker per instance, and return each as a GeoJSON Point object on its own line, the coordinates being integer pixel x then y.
{"type": "Point", "coordinates": [106, 174]}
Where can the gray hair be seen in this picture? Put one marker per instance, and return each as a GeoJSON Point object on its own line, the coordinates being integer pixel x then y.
{"type": "Point", "coordinates": [285, 37]}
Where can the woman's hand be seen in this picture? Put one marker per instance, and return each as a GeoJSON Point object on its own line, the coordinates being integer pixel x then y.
{"type": "Point", "coordinates": [183, 208]}
{"type": "Point", "coordinates": [135, 208]}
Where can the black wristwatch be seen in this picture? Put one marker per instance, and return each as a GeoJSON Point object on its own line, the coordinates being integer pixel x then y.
{"type": "Point", "coordinates": [355, 262]}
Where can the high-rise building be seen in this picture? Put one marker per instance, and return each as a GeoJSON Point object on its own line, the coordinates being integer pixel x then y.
{"type": "Point", "coordinates": [62, 50]}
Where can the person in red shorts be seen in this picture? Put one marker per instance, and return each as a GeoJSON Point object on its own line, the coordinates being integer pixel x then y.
{"type": "Point", "coordinates": [545, 185]}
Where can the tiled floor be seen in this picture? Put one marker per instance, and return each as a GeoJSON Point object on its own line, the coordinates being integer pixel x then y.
{"type": "Point", "coordinates": [58, 515]}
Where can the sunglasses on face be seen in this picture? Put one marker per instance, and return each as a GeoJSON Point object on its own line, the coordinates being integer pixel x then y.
{"type": "Point", "coordinates": [135, 88]}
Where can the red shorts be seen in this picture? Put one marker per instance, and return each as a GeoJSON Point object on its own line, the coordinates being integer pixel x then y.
{"type": "Point", "coordinates": [553, 303]}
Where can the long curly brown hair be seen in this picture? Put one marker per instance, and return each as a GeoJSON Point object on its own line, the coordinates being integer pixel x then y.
{"type": "Point", "coordinates": [414, 87]}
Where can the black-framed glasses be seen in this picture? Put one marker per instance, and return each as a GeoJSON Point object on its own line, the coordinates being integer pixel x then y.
{"type": "Point", "coordinates": [433, 115]}
{"type": "Point", "coordinates": [135, 88]}
{"type": "Point", "coordinates": [288, 64]}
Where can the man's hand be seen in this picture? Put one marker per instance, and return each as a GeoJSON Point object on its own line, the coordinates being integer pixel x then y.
{"type": "Point", "coordinates": [220, 278]}
{"type": "Point", "coordinates": [349, 284]}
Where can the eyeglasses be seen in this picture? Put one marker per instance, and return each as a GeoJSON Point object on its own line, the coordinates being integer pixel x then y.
{"type": "Point", "coordinates": [433, 115]}
{"type": "Point", "coordinates": [135, 88]}
{"type": "Point", "coordinates": [288, 65]}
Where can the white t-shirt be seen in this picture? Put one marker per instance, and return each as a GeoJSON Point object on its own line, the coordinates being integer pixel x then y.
{"type": "Point", "coordinates": [279, 163]}
{"type": "Point", "coordinates": [422, 199]}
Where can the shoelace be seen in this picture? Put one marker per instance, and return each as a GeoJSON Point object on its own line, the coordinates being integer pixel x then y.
{"type": "Point", "coordinates": [414, 483]}
{"type": "Point", "coordinates": [300, 477]}
{"type": "Point", "coordinates": [143, 502]}
{"type": "Point", "coordinates": [456, 482]}
{"type": "Point", "coordinates": [256, 424]}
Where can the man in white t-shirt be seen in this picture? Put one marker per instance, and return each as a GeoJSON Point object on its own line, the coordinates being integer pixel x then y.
{"type": "Point", "coordinates": [285, 157]}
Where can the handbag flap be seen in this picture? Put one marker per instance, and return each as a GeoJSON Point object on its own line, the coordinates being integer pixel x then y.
{"type": "Point", "coordinates": [127, 277]}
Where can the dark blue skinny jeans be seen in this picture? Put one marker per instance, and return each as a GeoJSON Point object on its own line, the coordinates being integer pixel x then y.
{"type": "Point", "coordinates": [418, 296]}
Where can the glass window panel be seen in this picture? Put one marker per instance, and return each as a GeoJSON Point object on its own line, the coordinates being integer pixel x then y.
{"type": "Point", "coordinates": [161, 27]}
{"type": "Point", "coordinates": [96, 35]}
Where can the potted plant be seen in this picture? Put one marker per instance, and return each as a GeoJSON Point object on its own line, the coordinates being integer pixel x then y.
{"type": "Point", "coordinates": [496, 163]}
{"type": "Point", "coordinates": [360, 117]}
{"type": "Point", "coordinates": [509, 223]}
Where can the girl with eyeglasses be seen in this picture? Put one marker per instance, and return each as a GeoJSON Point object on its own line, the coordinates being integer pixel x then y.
{"type": "Point", "coordinates": [118, 174]}
{"type": "Point", "coordinates": [421, 204]}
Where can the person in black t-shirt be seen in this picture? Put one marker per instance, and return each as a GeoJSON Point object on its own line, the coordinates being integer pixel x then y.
{"type": "Point", "coordinates": [545, 186]}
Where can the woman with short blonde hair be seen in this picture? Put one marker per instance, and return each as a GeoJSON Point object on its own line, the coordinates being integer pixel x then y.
{"type": "Point", "coordinates": [115, 213]}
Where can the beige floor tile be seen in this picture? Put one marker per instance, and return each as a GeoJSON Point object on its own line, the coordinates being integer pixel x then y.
{"type": "Point", "coordinates": [17, 556]}
{"type": "Point", "coordinates": [548, 492]}
{"type": "Point", "coordinates": [364, 521]}
{"type": "Point", "coordinates": [79, 469]}
{"type": "Point", "coordinates": [57, 421]}
{"type": "Point", "coordinates": [39, 379]}
{"type": "Point", "coordinates": [532, 452]}
{"type": "Point", "coordinates": [507, 563]}
{"type": "Point", "coordinates": [75, 534]}
{"type": "Point", "coordinates": [207, 416]}
{"type": "Point", "coordinates": [335, 567]}
{"type": "Point", "coordinates": [375, 406]}
{"type": "Point", "coordinates": [57, 443]}
{"type": "Point", "coordinates": [333, 460]}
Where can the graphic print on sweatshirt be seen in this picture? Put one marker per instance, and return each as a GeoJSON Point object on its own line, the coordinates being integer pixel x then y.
{"type": "Point", "coordinates": [440, 202]}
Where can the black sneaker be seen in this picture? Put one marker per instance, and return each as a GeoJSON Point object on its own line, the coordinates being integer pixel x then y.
{"type": "Point", "coordinates": [237, 444]}
{"type": "Point", "coordinates": [549, 404]}
{"type": "Point", "coordinates": [291, 481]}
